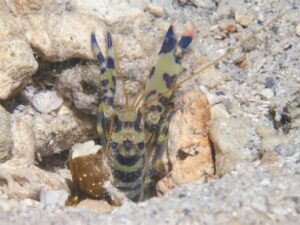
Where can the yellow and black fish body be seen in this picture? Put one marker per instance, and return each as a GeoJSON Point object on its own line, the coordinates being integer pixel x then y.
{"type": "Point", "coordinates": [133, 149]}
{"type": "Point", "coordinates": [127, 155]}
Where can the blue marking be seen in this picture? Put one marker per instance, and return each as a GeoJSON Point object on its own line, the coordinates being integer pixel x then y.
{"type": "Point", "coordinates": [110, 63]}
{"type": "Point", "coordinates": [109, 40]}
{"type": "Point", "coordinates": [96, 48]}
{"type": "Point", "coordinates": [185, 41]}
{"type": "Point", "coordinates": [169, 43]}
{"type": "Point", "coordinates": [170, 33]}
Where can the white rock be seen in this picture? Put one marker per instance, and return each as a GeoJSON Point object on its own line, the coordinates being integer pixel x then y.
{"type": "Point", "coordinates": [47, 101]}
{"type": "Point", "coordinates": [17, 65]}
{"type": "Point", "coordinates": [53, 134]}
{"type": "Point", "coordinates": [22, 137]}
{"type": "Point", "coordinates": [155, 10]}
{"type": "Point", "coordinates": [235, 140]}
{"type": "Point", "coordinates": [53, 198]}
{"type": "Point", "coordinates": [244, 16]}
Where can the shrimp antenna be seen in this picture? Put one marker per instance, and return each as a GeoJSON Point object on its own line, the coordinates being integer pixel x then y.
{"type": "Point", "coordinates": [214, 62]}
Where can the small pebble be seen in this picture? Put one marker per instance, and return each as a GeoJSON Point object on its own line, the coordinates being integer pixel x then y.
{"type": "Point", "coordinates": [227, 25]}
{"type": "Point", "coordinates": [298, 30]}
{"type": "Point", "coordinates": [269, 82]}
{"type": "Point", "coordinates": [239, 59]}
{"type": "Point", "coordinates": [242, 62]}
{"type": "Point", "coordinates": [155, 10]}
{"type": "Point", "coordinates": [250, 45]}
{"type": "Point", "coordinates": [46, 101]}
{"type": "Point", "coordinates": [53, 198]}
{"type": "Point", "coordinates": [244, 17]}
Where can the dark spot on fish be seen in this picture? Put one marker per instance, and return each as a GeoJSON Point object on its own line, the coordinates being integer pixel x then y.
{"type": "Point", "coordinates": [152, 72]}
{"type": "Point", "coordinates": [113, 90]}
{"type": "Point", "coordinates": [129, 188]}
{"type": "Point", "coordinates": [141, 145]}
{"type": "Point", "coordinates": [169, 42]}
{"type": "Point", "coordinates": [137, 121]}
{"type": "Point", "coordinates": [110, 63]}
{"type": "Point", "coordinates": [109, 100]}
{"type": "Point", "coordinates": [153, 92]}
{"type": "Point", "coordinates": [151, 127]}
{"type": "Point", "coordinates": [114, 80]}
{"type": "Point", "coordinates": [127, 177]}
{"type": "Point", "coordinates": [159, 108]}
{"type": "Point", "coordinates": [104, 91]}
{"type": "Point", "coordinates": [118, 124]}
{"type": "Point", "coordinates": [164, 100]}
{"type": "Point", "coordinates": [104, 82]}
{"type": "Point", "coordinates": [127, 144]}
{"type": "Point", "coordinates": [102, 70]}
{"type": "Point", "coordinates": [152, 108]}
{"type": "Point", "coordinates": [114, 145]}
{"type": "Point", "coordinates": [170, 80]}
{"type": "Point", "coordinates": [185, 41]}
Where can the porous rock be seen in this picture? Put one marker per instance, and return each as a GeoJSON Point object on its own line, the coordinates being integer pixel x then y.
{"type": "Point", "coordinates": [20, 181]}
{"type": "Point", "coordinates": [234, 140]}
{"type": "Point", "coordinates": [5, 141]}
{"type": "Point", "coordinates": [286, 149]}
{"type": "Point", "coordinates": [69, 39]}
{"type": "Point", "coordinates": [24, 6]}
{"type": "Point", "coordinates": [81, 86]}
{"type": "Point", "coordinates": [22, 137]}
{"type": "Point", "coordinates": [17, 61]}
{"type": "Point", "coordinates": [19, 177]}
{"type": "Point", "coordinates": [54, 134]}
{"type": "Point", "coordinates": [110, 11]}
{"type": "Point", "coordinates": [17, 65]}
{"type": "Point", "coordinates": [189, 150]}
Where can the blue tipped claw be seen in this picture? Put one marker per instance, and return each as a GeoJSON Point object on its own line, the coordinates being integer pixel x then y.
{"type": "Point", "coordinates": [96, 48]}
{"type": "Point", "coordinates": [169, 43]}
{"type": "Point", "coordinates": [185, 41]}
